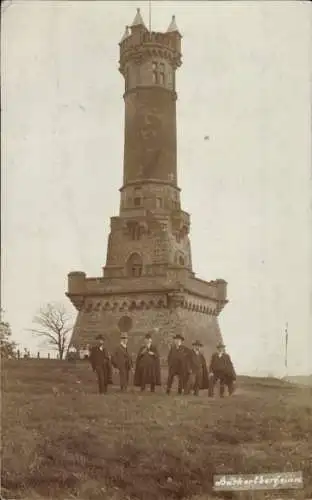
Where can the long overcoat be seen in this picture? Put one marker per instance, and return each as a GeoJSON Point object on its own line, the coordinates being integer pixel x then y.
{"type": "Point", "coordinates": [178, 361]}
{"type": "Point", "coordinates": [121, 359]}
{"type": "Point", "coordinates": [222, 366]}
{"type": "Point", "coordinates": [147, 367]}
{"type": "Point", "coordinates": [198, 367]}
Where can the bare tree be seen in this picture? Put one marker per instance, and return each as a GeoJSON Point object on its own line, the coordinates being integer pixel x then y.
{"type": "Point", "coordinates": [54, 326]}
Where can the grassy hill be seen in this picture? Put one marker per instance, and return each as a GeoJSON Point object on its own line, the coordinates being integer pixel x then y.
{"type": "Point", "coordinates": [300, 379]}
{"type": "Point", "coordinates": [62, 440]}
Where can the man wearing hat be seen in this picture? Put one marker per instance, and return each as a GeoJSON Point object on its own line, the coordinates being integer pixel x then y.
{"type": "Point", "coordinates": [101, 365]}
{"type": "Point", "coordinates": [221, 369]}
{"type": "Point", "coordinates": [178, 365]}
{"type": "Point", "coordinates": [198, 378]}
{"type": "Point", "coordinates": [147, 367]}
{"type": "Point", "coordinates": [121, 360]}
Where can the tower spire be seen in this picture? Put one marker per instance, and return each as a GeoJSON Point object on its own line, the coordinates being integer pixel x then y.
{"type": "Point", "coordinates": [173, 26]}
{"type": "Point", "coordinates": [138, 20]}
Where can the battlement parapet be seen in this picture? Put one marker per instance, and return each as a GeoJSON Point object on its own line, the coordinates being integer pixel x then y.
{"type": "Point", "coordinates": [99, 286]}
{"type": "Point", "coordinates": [171, 40]}
{"type": "Point", "coordinates": [143, 45]}
{"type": "Point", "coordinates": [175, 278]}
{"type": "Point", "coordinates": [216, 289]}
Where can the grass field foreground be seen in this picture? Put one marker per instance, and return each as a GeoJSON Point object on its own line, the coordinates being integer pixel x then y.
{"type": "Point", "coordinates": [62, 440]}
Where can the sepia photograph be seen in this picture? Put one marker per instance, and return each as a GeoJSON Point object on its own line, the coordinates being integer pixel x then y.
{"type": "Point", "coordinates": [156, 250]}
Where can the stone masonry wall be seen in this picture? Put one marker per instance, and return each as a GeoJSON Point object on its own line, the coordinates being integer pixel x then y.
{"type": "Point", "coordinates": [150, 135]}
{"type": "Point", "coordinates": [192, 324]}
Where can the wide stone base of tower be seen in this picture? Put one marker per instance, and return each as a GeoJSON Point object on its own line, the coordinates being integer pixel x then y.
{"type": "Point", "coordinates": [160, 306]}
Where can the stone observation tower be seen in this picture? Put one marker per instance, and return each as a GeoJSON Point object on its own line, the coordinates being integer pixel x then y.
{"type": "Point", "coordinates": [148, 280]}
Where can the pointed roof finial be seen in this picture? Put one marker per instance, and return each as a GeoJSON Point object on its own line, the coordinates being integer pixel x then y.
{"type": "Point", "coordinates": [173, 26]}
{"type": "Point", "coordinates": [138, 20]}
{"type": "Point", "coordinates": [126, 34]}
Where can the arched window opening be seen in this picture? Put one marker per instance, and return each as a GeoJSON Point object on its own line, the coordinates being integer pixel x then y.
{"type": "Point", "coordinates": [155, 73]}
{"type": "Point", "coordinates": [181, 260]}
{"type": "Point", "coordinates": [137, 197]}
{"type": "Point", "coordinates": [134, 230]}
{"type": "Point", "coordinates": [162, 74]}
{"type": "Point", "coordinates": [134, 265]}
{"type": "Point", "coordinates": [159, 203]}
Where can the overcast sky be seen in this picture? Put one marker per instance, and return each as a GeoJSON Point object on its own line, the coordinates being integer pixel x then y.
{"type": "Point", "coordinates": [245, 82]}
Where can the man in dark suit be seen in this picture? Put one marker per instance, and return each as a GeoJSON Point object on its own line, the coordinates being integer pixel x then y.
{"type": "Point", "coordinates": [198, 378]}
{"type": "Point", "coordinates": [221, 369]}
{"type": "Point", "coordinates": [121, 360]}
{"type": "Point", "coordinates": [147, 368]}
{"type": "Point", "coordinates": [101, 365]}
{"type": "Point", "coordinates": [178, 364]}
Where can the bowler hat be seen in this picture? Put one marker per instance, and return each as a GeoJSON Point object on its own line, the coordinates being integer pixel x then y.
{"type": "Point", "coordinates": [148, 336]}
{"type": "Point", "coordinates": [197, 343]}
{"type": "Point", "coordinates": [99, 337]}
{"type": "Point", "coordinates": [220, 345]}
{"type": "Point", "coordinates": [178, 336]}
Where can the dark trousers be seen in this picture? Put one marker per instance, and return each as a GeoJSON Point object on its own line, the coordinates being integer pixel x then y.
{"type": "Point", "coordinates": [123, 378]}
{"type": "Point", "coordinates": [224, 381]}
{"type": "Point", "coordinates": [181, 381]}
{"type": "Point", "coordinates": [102, 379]}
{"type": "Point", "coordinates": [194, 383]}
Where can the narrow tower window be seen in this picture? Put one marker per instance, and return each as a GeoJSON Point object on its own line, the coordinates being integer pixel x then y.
{"type": "Point", "coordinates": [169, 77]}
{"type": "Point", "coordinates": [134, 230]}
{"type": "Point", "coordinates": [137, 197]}
{"type": "Point", "coordinates": [134, 265]}
{"type": "Point", "coordinates": [162, 74]}
{"type": "Point", "coordinates": [159, 202]}
{"type": "Point", "coordinates": [155, 73]}
{"type": "Point", "coordinates": [137, 201]}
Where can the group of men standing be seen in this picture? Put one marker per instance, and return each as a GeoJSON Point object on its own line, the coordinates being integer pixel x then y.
{"type": "Point", "coordinates": [187, 365]}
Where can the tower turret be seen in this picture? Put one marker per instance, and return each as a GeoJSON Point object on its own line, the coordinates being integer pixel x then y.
{"type": "Point", "coordinates": [126, 34]}
{"type": "Point", "coordinates": [138, 21]}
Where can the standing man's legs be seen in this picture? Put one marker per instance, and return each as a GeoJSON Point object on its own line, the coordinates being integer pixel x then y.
{"type": "Point", "coordinates": [197, 384]}
{"type": "Point", "coordinates": [98, 374]}
{"type": "Point", "coordinates": [180, 383]}
{"type": "Point", "coordinates": [170, 381]}
{"type": "Point", "coordinates": [124, 378]}
{"type": "Point", "coordinates": [230, 385]}
{"type": "Point", "coordinates": [222, 386]}
{"type": "Point", "coordinates": [186, 380]}
{"type": "Point", "coordinates": [190, 384]}
{"type": "Point", "coordinates": [101, 380]}
{"type": "Point", "coordinates": [212, 382]}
